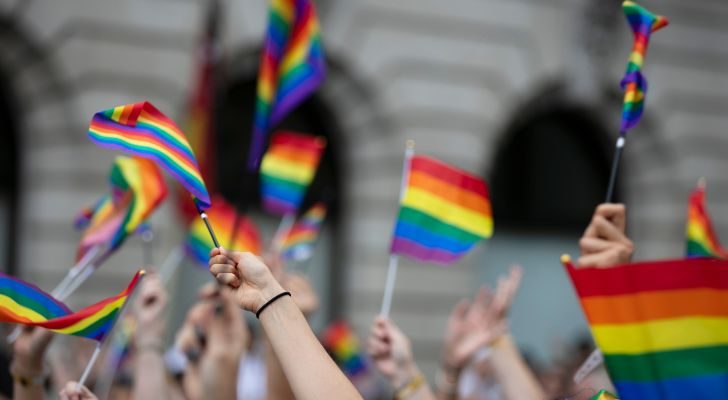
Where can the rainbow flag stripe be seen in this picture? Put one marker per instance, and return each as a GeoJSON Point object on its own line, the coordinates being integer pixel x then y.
{"type": "Point", "coordinates": [142, 130]}
{"type": "Point", "coordinates": [643, 24]}
{"type": "Point", "coordinates": [137, 189]}
{"type": "Point", "coordinates": [287, 169]}
{"type": "Point", "coordinates": [222, 215]}
{"type": "Point", "coordinates": [341, 341]}
{"type": "Point", "coordinates": [25, 304]}
{"type": "Point", "coordinates": [662, 326]}
{"type": "Point", "coordinates": [702, 240]}
{"type": "Point", "coordinates": [604, 395]}
{"type": "Point", "coordinates": [301, 239]}
{"type": "Point", "coordinates": [444, 212]}
{"type": "Point", "coordinates": [292, 67]}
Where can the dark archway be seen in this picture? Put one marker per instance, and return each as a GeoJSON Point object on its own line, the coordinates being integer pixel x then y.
{"type": "Point", "coordinates": [9, 172]}
{"type": "Point", "coordinates": [233, 118]}
{"type": "Point", "coordinates": [551, 167]}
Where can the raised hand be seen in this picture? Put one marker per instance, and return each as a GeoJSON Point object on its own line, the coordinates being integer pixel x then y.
{"type": "Point", "coordinates": [472, 326]}
{"type": "Point", "coordinates": [252, 282]}
{"type": "Point", "coordinates": [391, 352]}
{"type": "Point", "coordinates": [604, 243]}
{"type": "Point", "coordinates": [149, 308]}
{"type": "Point", "coordinates": [72, 392]}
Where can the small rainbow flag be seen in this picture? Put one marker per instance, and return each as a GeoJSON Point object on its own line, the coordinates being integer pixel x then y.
{"type": "Point", "coordinates": [643, 24]}
{"type": "Point", "coordinates": [701, 238]}
{"type": "Point", "coordinates": [444, 212]}
{"type": "Point", "coordinates": [137, 189]}
{"type": "Point", "coordinates": [292, 66]}
{"type": "Point", "coordinates": [661, 325]}
{"type": "Point", "coordinates": [341, 341]}
{"type": "Point", "coordinates": [299, 244]}
{"type": "Point", "coordinates": [288, 168]}
{"type": "Point", "coordinates": [23, 303]}
{"type": "Point", "coordinates": [604, 395]}
{"type": "Point", "coordinates": [142, 130]}
{"type": "Point", "coordinates": [198, 243]}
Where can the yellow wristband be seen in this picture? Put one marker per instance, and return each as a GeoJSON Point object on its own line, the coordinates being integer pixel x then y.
{"type": "Point", "coordinates": [410, 388]}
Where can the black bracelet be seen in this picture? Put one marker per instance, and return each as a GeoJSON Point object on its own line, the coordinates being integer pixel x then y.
{"type": "Point", "coordinates": [269, 302]}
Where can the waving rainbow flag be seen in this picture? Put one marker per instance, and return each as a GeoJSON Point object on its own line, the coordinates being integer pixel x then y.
{"type": "Point", "coordinates": [287, 170]}
{"type": "Point", "coordinates": [444, 212]}
{"type": "Point", "coordinates": [661, 325]}
{"type": "Point", "coordinates": [299, 244]}
{"type": "Point", "coordinates": [292, 66]}
{"type": "Point", "coordinates": [604, 395]}
{"type": "Point", "coordinates": [223, 215]}
{"type": "Point", "coordinates": [341, 341]}
{"type": "Point", "coordinates": [23, 303]}
{"type": "Point", "coordinates": [142, 130]}
{"type": "Point", "coordinates": [643, 24]}
{"type": "Point", "coordinates": [137, 189]}
{"type": "Point", "coordinates": [701, 238]}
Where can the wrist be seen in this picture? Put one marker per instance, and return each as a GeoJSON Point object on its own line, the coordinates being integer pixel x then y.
{"type": "Point", "coordinates": [271, 290]}
{"type": "Point", "coordinates": [404, 375]}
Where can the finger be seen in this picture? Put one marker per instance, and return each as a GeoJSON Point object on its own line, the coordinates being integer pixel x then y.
{"type": "Point", "coordinates": [222, 260]}
{"type": "Point", "coordinates": [607, 230]}
{"type": "Point", "coordinates": [228, 279]}
{"type": "Point", "coordinates": [615, 213]}
{"type": "Point", "coordinates": [458, 312]}
{"type": "Point", "coordinates": [209, 291]}
{"type": "Point", "coordinates": [223, 269]}
{"type": "Point", "coordinates": [591, 260]}
{"type": "Point", "coordinates": [590, 245]}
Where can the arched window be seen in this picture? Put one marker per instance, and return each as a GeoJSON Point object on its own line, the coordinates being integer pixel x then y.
{"type": "Point", "coordinates": [550, 171]}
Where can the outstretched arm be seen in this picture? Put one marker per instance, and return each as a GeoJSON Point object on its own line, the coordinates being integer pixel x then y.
{"type": "Point", "coordinates": [150, 379]}
{"type": "Point", "coordinates": [311, 373]}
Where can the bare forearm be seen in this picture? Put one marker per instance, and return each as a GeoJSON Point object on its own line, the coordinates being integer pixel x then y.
{"type": "Point", "coordinates": [515, 377]}
{"type": "Point", "coordinates": [150, 380]}
{"type": "Point", "coordinates": [309, 370]}
{"type": "Point", "coordinates": [278, 386]}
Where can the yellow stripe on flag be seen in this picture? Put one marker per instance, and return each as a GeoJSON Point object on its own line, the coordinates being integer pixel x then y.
{"type": "Point", "coordinates": [448, 212]}
{"type": "Point", "coordinates": [661, 335]}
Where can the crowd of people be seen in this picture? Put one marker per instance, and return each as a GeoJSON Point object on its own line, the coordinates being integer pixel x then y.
{"type": "Point", "coordinates": [480, 359]}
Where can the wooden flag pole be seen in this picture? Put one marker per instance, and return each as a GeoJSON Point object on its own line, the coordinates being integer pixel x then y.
{"type": "Point", "coordinates": [394, 258]}
{"type": "Point", "coordinates": [615, 168]}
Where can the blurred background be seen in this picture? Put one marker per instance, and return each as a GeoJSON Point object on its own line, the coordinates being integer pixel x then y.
{"type": "Point", "coordinates": [523, 92]}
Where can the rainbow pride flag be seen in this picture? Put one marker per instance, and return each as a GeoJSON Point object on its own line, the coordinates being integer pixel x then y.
{"type": "Point", "coordinates": [299, 243]}
{"type": "Point", "coordinates": [343, 345]}
{"type": "Point", "coordinates": [604, 395]}
{"type": "Point", "coordinates": [198, 243]}
{"type": "Point", "coordinates": [701, 238]}
{"type": "Point", "coordinates": [137, 189]}
{"type": "Point", "coordinates": [292, 67]}
{"type": "Point", "coordinates": [661, 325]}
{"type": "Point", "coordinates": [23, 303]}
{"type": "Point", "coordinates": [287, 169]}
{"type": "Point", "coordinates": [643, 24]}
{"type": "Point", "coordinates": [142, 130]}
{"type": "Point", "coordinates": [444, 212]}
